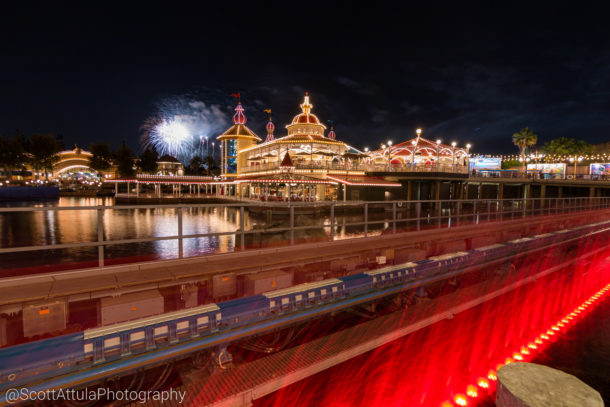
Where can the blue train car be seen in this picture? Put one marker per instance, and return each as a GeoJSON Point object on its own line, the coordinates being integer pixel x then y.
{"type": "Point", "coordinates": [46, 357]}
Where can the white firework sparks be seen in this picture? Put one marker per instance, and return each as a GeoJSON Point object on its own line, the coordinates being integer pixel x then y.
{"type": "Point", "coordinates": [171, 137]}
{"type": "Point", "coordinates": [184, 127]}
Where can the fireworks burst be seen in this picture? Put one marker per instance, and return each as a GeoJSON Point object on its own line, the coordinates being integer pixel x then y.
{"type": "Point", "coordinates": [181, 126]}
{"type": "Point", "coordinates": [171, 137]}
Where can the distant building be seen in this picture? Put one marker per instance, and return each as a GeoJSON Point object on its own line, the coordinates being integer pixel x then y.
{"type": "Point", "coordinates": [168, 165]}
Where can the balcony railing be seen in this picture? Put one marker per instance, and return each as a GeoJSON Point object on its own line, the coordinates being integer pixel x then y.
{"type": "Point", "coordinates": [390, 216]}
{"type": "Point", "coordinates": [419, 168]}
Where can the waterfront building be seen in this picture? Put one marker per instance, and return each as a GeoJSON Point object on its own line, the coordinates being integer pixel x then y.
{"type": "Point", "coordinates": [421, 155]}
{"type": "Point", "coordinates": [168, 165]}
{"type": "Point", "coordinates": [303, 165]}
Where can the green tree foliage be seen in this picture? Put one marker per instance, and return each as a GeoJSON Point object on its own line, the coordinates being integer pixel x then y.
{"type": "Point", "coordinates": [12, 154]}
{"type": "Point", "coordinates": [43, 151]}
{"type": "Point", "coordinates": [523, 139]}
{"type": "Point", "coordinates": [508, 164]}
{"type": "Point", "coordinates": [211, 165]}
{"type": "Point", "coordinates": [102, 156]}
{"type": "Point", "coordinates": [566, 146]}
{"type": "Point", "coordinates": [148, 161]}
{"type": "Point", "coordinates": [124, 160]}
{"type": "Point", "coordinates": [194, 167]}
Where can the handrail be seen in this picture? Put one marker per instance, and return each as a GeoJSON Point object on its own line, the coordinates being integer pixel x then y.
{"type": "Point", "coordinates": [440, 213]}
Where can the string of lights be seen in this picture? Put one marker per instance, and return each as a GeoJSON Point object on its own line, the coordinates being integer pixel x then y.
{"type": "Point", "coordinates": [486, 384]}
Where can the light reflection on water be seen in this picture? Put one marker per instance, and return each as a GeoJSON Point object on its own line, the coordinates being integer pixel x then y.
{"type": "Point", "coordinates": [74, 226]}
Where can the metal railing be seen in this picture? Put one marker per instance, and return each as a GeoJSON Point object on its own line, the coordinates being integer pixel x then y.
{"type": "Point", "coordinates": [419, 168]}
{"type": "Point", "coordinates": [537, 175]}
{"type": "Point", "coordinates": [384, 216]}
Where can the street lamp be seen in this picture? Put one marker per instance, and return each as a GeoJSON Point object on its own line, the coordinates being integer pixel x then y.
{"type": "Point", "coordinates": [390, 154]}
{"type": "Point", "coordinates": [453, 144]}
{"type": "Point", "coordinates": [438, 154]}
{"type": "Point", "coordinates": [415, 143]}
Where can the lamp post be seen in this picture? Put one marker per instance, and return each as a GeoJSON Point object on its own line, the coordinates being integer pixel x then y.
{"type": "Point", "coordinates": [467, 162]}
{"type": "Point", "coordinates": [453, 144]}
{"type": "Point", "coordinates": [366, 151]}
{"type": "Point", "coordinates": [390, 155]}
{"type": "Point", "coordinates": [438, 154]}
{"type": "Point", "coordinates": [415, 143]}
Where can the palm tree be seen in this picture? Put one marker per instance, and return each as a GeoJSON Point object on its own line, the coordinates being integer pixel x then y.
{"type": "Point", "coordinates": [523, 139]}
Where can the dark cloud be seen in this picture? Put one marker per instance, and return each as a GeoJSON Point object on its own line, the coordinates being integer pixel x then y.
{"type": "Point", "coordinates": [98, 74]}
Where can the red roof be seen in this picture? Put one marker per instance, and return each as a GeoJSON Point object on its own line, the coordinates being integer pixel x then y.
{"type": "Point", "coordinates": [306, 118]}
{"type": "Point", "coordinates": [287, 161]}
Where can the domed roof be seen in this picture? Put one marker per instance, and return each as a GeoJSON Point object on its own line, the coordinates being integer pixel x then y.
{"type": "Point", "coordinates": [239, 129]}
{"type": "Point", "coordinates": [239, 117]}
{"type": "Point", "coordinates": [306, 117]}
{"type": "Point", "coordinates": [270, 126]}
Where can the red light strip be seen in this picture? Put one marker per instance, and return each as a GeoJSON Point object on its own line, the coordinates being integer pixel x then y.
{"type": "Point", "coordinates": [526, 351]}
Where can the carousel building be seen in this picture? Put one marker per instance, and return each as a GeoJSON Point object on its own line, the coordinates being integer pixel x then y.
{"type": "Point", "coordinates": [304, 165]}
{"type": "Point", "coordinates": [421, 155]}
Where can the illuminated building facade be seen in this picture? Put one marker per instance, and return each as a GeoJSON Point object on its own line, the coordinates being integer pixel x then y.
{"type": "Point", "coordinates": [235, 139]}
{"type": "Point", "coordinates": [304, 165]}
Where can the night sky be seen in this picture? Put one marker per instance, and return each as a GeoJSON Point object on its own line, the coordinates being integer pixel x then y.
{"type": "Point", "coordinates": [463, 72]}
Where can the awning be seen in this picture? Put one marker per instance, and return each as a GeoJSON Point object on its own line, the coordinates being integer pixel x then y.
{"type": "Point", "coordinates": [363, 181]}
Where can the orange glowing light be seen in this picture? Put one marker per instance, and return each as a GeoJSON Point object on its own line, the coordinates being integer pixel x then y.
{"type": "Point", "coordinates": [517, 356]}
{"type": "Point", "coordinates": [544, 337]}
{"type": "Point", "coordinates": [532, 346]}
{"type": "Point", "coordinates": [550, 332]}
{"type": "Point", "coordinates": [447, 404]}
{"type": "Point", "coordinates": [508, 361]}
{"type": "Point", "coordinates": [559, 324]}
{"type": "Point", "coordinates": [555, 328]}
{"type": "Point", "coordinates": [524, 350]}
{"type": "Point", "coordinates": [471, 391]}
{"type": "Point", "coordinates": [460, 400]}
{"type": "Point", "coordinates": [483, 383]}
{"type": "Point", "coordinates": [492, 375]}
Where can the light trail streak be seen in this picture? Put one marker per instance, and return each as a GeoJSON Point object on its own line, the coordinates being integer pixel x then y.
{"type": "Point", "coordinates": [434, 366]}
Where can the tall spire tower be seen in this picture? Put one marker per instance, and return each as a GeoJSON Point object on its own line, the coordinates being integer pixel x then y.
{"type": "Point", "coordinates": [270, 128]}
{"type": "Point", "coordinates": [236, 138]}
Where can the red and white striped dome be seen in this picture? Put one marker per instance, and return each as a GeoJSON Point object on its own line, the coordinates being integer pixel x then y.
{"type": "Point", "coordinates": [239, 117]}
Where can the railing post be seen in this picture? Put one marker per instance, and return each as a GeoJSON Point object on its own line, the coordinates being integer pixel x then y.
{"type": "Point", "coordinates": [332, 221]}
{"type": "Point", "coordinates": [488, 211]}
{"type": "Point", "coordinates": [418, 213]}
{"type": "Point", "coordinates": [100, 237]}
{"type": "Point", "coordinates": [393, 217]}
{"type": "Point", "coordinates": [180, 252]}
{"type": "Point", "coordinates": [242, 227]}
{"type": "Point", "coordinates": [474, 211]}
{"type": "Point", "coordinates": [291, 224]}
{"type": "Point", "coordinates": [366, 219]}
{"type": "Point", "coordinates": [439, 203]}
{"type": "Point", "coordinates": [457, 215]}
